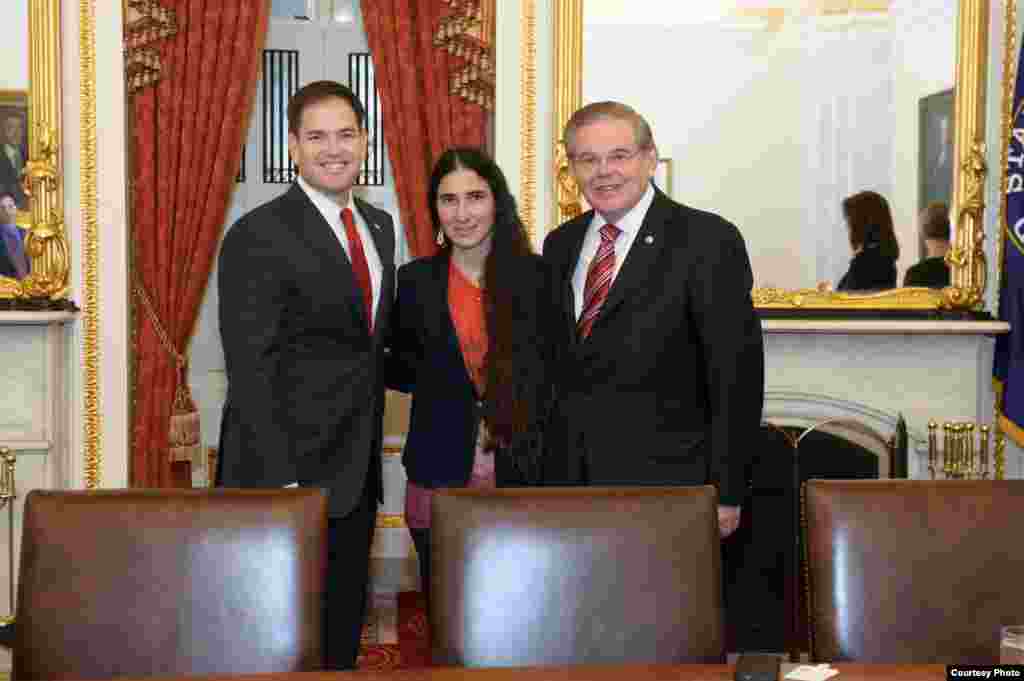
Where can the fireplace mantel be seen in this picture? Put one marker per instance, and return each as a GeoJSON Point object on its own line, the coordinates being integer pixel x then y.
{"type": "Point", "coordinates": [35, 394]}
{"type": "Point", "coordinates": [26, 318]}
{"type": "Point", "coordinates": [876, 369]}
{"type": "Point", "coordinates": [858, 327]}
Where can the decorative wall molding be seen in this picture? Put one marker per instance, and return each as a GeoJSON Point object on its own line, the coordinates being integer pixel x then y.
{"type": "Point", "coordinates": [90, 246]}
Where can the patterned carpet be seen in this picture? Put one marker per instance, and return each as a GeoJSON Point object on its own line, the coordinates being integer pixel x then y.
{"type": "Point", "coordinates": [412, 649]}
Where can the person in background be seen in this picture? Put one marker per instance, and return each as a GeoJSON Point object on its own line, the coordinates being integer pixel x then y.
{"type": "Point", "coordinates": [932, 271]}
{"type": "Point", "coordinates": [662, 381]}
{"type": "Point", "coordinates": [471, 340]}
{"type": "Point", "coordinates": [14, 262]}
{"type": "Point", "coordinates": [13, 155]}
{"type": "Point", "coordinates": [306, 287]}
{"type": "Point", "coordinates": [873, 241]}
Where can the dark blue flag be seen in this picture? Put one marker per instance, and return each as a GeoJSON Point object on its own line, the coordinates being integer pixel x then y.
{"type": "Point", "coordinates": [1008, 367]}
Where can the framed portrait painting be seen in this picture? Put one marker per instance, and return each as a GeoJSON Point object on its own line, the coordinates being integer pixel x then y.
{"type": "Point", "coordinates": [13, 144]}
{"type": "Point", "coordinates": [935, 149]}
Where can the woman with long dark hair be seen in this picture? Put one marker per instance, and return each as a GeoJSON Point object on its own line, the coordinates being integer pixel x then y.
{"type": "Point", "coordinates": [873, 241]}
{"type": "Point", "coordinates": [471, 342]}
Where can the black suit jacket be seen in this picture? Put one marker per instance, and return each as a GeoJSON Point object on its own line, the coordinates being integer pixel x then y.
{"type": "Point", "coordinates": [305, 389]}
{"type": "Point", "coordinates": [427, 361]}
{"type": "Point", "coordinates": [669, 386]}
{"type": "Point", "coordinates": [930, 272]}
{"type": "Point", "coordinates": [869, 271]}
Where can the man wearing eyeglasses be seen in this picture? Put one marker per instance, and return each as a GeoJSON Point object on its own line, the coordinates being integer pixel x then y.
{"type": "Point", "coordinates": [663, 379]}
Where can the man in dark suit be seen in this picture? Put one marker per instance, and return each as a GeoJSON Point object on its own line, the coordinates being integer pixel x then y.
{"type": "Point", "coordinates": [663, 378]}
{"type": "Point", "coordinates": [306, 287]}
{"type": "Point", "coordinates": [932, 271]}
{"type": "Point", "coordinates": [13, 155]}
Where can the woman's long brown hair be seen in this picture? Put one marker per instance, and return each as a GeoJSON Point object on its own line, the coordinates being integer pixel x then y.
{"type": "Point", "coordinates": [513, 372]}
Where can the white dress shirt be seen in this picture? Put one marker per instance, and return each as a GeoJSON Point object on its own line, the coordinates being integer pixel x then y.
{"type": "Point", "coordinates": [332, 213]}
{"type": "Point", "coordinates": [629, 224]}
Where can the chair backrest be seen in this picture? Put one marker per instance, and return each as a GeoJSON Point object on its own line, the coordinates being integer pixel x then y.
{"type": "Point", "coordinates": [913, 570]}
{"type": "Point", "coordinates": [170, 582]}
{"type": "Point", "coordinates": [575, 575]}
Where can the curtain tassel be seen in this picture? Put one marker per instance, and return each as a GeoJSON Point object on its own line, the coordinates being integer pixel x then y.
{"type": "Point", "coordinates": [184, 433]}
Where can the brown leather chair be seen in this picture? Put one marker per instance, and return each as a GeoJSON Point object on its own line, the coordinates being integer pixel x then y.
{"type": "Point", "coordinates": [559, 576]}
{"type": "Point", "coordinates": [914, 571]}
{"type": "Point", "coordinates": [170, 582]}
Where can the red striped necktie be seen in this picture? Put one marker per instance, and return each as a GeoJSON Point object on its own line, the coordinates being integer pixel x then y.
{"type": "Point", "coordinates": [359, 267]}
{"type": "Point", "coordinates": [599, 280]}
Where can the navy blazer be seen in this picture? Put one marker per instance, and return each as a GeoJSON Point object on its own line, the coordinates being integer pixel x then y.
{"type": "Point", "coordinates": [426, 360]}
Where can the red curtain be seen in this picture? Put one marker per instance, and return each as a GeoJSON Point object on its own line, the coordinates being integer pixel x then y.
{"type": "Point", "coordinates": [421, 117]}
{"type": "Point", "coordinates": [187, 134]}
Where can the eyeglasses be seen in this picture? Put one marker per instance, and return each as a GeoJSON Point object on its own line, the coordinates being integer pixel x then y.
{"type": "Point", "coordinates": [588, 163]}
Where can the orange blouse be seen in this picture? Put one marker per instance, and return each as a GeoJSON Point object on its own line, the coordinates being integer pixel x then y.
{"type": "Point", "coordinates": [466, 307]}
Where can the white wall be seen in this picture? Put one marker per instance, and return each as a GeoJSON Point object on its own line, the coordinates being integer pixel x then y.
{"type": "Point", "coordinates": [14, 46]}
{"type": "Point", "coordinates": [924, 31]}
{"type": "Point", "coordinates": [772, 128]}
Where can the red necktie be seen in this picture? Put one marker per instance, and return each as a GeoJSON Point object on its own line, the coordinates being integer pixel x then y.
{"type": "Point", "coordinates": [359, 267]}
{"type": "Point", "coordinates": [599, 280]}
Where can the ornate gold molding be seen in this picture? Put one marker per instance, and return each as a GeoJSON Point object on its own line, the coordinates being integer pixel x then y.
{"type": "Point", "coordinates": [811, 299]}
{"type": "Point", "coordinates": [568, 77]}
{"type": "Point", "coordinates": [1000, 423]}
{"type": "Point", "coordinates": [527, 113]}
{"type": "Point", "coordinates": [968, 266]}
{"type": "Point", "coordinates": [90, 243]}
{"type": "Point", "coordinates": [1006, 120]}
{"type": "Point", "coordinates": [46, 241]}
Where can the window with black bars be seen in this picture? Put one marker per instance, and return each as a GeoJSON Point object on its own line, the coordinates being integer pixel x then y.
{"type": "Point", "coordinates": [240, 177]}
{"type": "Point", "coordinates": [280, 81]}
{"type": "Point", "coordinates": [361, 80]}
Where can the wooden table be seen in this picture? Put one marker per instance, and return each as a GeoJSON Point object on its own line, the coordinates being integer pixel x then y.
{"type": "Point", "coordinates": [690, 672]}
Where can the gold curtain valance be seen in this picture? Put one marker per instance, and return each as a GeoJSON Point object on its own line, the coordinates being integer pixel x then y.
{"type": "Point", "coordinates": [466, 31]}
{"type": "Point", "coordinates": [146, 22]}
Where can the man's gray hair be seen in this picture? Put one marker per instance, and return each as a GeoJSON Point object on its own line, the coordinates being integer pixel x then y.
{"type": "Point", "coordinates": [601, 111]}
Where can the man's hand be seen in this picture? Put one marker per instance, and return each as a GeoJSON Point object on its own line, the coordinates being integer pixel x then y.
{"type": "Point", "coordinates": [728, 520]}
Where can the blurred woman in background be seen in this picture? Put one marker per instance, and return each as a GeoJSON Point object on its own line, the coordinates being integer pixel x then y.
{"type": "Point", "coordinates": [873, 241]}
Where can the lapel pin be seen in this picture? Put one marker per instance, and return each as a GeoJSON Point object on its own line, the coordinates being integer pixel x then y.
{"type": "Point", "coordinates": [648, 239]}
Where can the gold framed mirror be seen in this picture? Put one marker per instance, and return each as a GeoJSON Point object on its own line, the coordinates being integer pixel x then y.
{"type": "Point", "coordinates": [41, 174]}
{"type": "Point", "coordinates": [966, 258]}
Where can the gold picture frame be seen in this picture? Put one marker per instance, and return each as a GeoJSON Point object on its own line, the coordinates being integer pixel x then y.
{"type": "Point", "coordinates": [967, 261]}
{"type": "Point", "coordinates": [42, 175]}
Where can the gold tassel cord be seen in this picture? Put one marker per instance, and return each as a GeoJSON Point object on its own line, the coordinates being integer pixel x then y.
{"type": "Point", "coordinates": [184, 428]}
